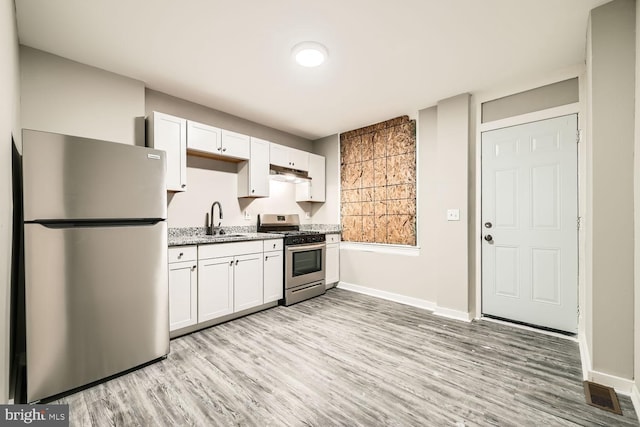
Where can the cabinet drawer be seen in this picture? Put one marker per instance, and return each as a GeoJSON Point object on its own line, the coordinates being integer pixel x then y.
{"type": "Point", "coordinates": [216, 250]}
{"type": "Point", "coordinates": [273, 245]}
{"type": "Point", "coordinates": [183, 253]}
{"type": "Point", "coordinates": [333, 238]}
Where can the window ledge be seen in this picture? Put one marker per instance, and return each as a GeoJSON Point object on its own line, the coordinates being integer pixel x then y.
{"type": "Point", "coordinates": [381, 248]}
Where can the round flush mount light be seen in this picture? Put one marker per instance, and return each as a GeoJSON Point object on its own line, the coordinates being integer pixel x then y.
{"type": "Point", "coordinates": [309, 54]}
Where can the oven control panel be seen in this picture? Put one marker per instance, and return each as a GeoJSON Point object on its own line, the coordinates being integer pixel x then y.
{"type": "Point", "coordinates": [304, 239]}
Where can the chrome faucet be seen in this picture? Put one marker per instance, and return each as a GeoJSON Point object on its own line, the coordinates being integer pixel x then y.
{"type": "Point", "coordinates": [211, 230]}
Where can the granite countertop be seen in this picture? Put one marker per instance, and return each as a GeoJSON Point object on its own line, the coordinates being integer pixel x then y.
{"type": "Point", "coordinates": [197, 235]}
{"type": "Point", "coordinates": [204, 239]}
{"type": "Point", "coordinates": [322, 228]}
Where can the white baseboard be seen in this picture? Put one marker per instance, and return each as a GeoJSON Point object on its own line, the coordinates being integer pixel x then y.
{"type": "Point", "coordinates": [585, 357]}
{"type": "Point", "coordinates": [621, 385]}
{"type": "Point", "coordinates": [402, 299]}
{"type": "Point", "coordinates": [414, 302]}
{"type": "Point", "coordinates": [453, 314]}
{"type": "Point", "coordinates": [635, 398]}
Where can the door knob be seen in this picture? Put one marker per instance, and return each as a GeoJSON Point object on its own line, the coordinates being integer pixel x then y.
{"type": "Point", "coordinates": [488, 238]}
{"type": "Point", "coordinates": [488, 225]}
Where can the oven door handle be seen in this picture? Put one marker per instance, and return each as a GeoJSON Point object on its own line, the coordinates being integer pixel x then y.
{"type": "Point", "coordinates": [299, 248]}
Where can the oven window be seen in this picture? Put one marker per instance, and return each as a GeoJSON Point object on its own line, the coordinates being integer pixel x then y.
{"type": "Point", "coordinates": [305, 262]}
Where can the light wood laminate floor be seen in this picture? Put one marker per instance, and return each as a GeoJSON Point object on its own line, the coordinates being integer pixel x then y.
{"type": "Point", "coordinates": [346, 359]}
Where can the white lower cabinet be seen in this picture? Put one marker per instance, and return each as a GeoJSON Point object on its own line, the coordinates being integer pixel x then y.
{"type": "Point", "coordinates": [215, 288]}
{"type": "Point", "coordinates": [273, 276]}
{"type": "Point", "coordinates": [248, 282]}
{"type": "Point", "coordinates": [207, 282]}
{"type": "Point", "coordinates": [333, 260]}
{"type": "Point", "coordinates": [183, 294]}
{"type": "Point", "coordinates": [183, 287]}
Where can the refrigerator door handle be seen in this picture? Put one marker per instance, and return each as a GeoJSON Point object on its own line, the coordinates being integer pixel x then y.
{"type": "Point", "coordinates": [57, 224]}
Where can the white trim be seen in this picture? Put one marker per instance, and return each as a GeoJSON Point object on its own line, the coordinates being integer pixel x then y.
{"type": "Point", "coordinates": [635, 398]}
{"type": "Point", "coordinates": [402, 299]}
{"type": "Point", "coordinates": [535, 116]}
{"type": "Point", "coordinates": [453, 314]}
{"type": "Point", "coordinates": [585, 357]}
{"type": "Point", "coordinates": [621, 385]}
{"type": "Point", "coordinates": [529, 328]}
{"type": "Point", "coordinates": [381, 248]}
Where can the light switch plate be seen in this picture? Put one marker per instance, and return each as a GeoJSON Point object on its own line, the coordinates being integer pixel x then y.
{"type": "Point", "coordinates": [307, 215]}
{"type": "Point", "coordinates": [247, 215]}
{"type": "Point", "coordinates": [453, 214]}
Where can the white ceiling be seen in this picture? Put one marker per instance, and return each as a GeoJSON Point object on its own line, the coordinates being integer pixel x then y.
{"type": "Point", "coordinates": [386, 58]}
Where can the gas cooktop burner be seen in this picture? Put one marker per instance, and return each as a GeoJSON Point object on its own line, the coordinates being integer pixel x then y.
{"type": "Point", "coordinates": [289, 227]}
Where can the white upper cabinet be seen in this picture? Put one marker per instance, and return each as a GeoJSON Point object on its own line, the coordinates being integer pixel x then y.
{"type": "Point", "coordinates": [279, 155]}
{"type": "Point", "coordinates": [169, 133]}
{"type": "Point", "coordinates": [210, 140]}
{"type": "Point", "coordinates": [299, 159]}
{"type": "Point", "coordinates": [253, 175]}
{"type": "Point", "coordinates": [288, 157]}
{"type": "Point", "coordinates": [203, 138]}
{"type": "Point", "coordinates": [314, 189]}
{"type": "Point", "coordinates": [235, 145]}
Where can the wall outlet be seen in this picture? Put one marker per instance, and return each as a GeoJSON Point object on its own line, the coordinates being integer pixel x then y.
{"type": "Point", "coordinates": [453, 214]}
{"type": "Point", "coordinates": [307, 215]}
{"type": "Point", "coordinates": [247, 215]}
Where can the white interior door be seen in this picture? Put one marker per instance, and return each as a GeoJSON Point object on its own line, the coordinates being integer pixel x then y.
{"type": "Point", "coordinates": [529, 223]}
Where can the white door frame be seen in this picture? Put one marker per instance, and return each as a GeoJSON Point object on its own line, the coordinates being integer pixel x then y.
{"type": "Point", "coordinates": [575, 108]}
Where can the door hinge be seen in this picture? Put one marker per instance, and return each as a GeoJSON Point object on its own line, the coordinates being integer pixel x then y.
{"type": "Point", "coordinates": [578, 222]}
{"type": "Point", "coordinates": [578, 136]}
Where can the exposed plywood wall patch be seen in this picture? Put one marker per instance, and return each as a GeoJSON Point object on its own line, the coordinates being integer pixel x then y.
{"type": "Point", "coordinates": [378, 183]}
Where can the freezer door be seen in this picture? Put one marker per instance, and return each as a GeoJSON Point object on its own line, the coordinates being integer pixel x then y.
{"type": "Point", "coordinates": [96, 303]}
{"type": "Point", "coordinates": [66, 177]}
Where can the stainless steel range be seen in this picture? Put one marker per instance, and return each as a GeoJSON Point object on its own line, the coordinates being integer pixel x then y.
{"type": "Point", "coordinates": [304, 256]}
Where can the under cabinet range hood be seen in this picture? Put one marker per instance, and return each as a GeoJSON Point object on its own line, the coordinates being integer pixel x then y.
{"type": "Point", "coordinates": [279, 173]}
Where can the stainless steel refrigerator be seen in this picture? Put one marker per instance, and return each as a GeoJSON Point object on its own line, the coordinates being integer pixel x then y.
{"type": "Point", "coordinates": [95, 259]}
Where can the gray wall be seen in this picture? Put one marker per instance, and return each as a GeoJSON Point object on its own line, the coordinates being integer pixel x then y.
{"type": "Point", "coordinates": [549, 96]}
{"type": "Point", "coordinates": [210, 180]}
{"type": "Point", "coordinates": [636, 180]}
{"type": "Point", "coordinates": [63, 96]}
{"type": "Point", "coordinates": [329, 211]}
{"type": "Point", "coordinates": [610, 205]}
{"type": "Point", "coordinates": [158, 101]}
{"type": "Point", "coordinates": [9, 124]}
{"type": "Point", "coordinates": [453, 184]}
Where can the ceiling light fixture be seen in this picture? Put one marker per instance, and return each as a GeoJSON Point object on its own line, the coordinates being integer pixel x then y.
{"type": "Point", "coordinates": [309, 54]}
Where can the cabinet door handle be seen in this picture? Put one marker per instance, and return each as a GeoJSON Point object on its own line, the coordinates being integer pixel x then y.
{"type": "Point", "coordinates": [274, 246]}
{"type": "Point", "coordinates": [224, 149]}
{"type": "Point", "coordinates": [183, 185]}
{"type": "Point", "coordinates": [193, 268]}
{"type": "Point", "coordinates": [266, 258]}
{"type": "Point", "coordinates": [236, 262]}
{"type": "Point", "coordinates": [180, 254]}
{"type": "Point", "coordinates": [231, 263]}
